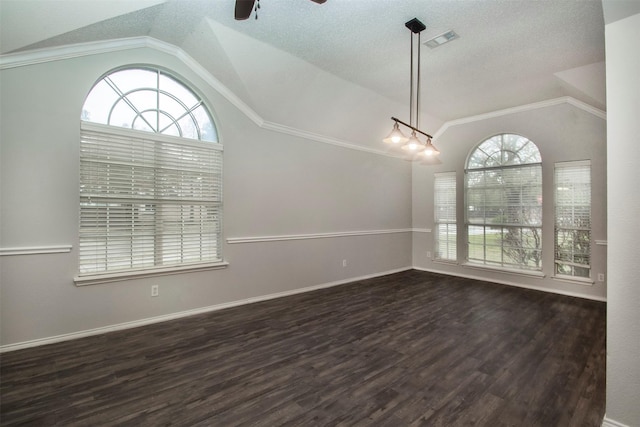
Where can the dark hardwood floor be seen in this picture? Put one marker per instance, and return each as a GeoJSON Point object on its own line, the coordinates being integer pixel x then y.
{"type": "Point", "coordinates": [407, 349]}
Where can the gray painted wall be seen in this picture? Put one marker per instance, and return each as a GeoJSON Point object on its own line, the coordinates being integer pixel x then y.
{"type": "Point", "coordinates": [562, 132]}
{"type": "Point", "coordinates": [275, 184]}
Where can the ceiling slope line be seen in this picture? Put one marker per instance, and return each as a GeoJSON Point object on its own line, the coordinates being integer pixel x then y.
{"type": "Point", "coordinates": [14, 60]}
{"type": "Point", "coordinates": [59, 53]}
{"type": "Point", "coordinates": [276, 127]}
{"type": "Point", "coordinates": [522, 108]}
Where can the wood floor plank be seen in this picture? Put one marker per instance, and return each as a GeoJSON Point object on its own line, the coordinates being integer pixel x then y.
{"type": "Point", "coordinates": [412, 348]}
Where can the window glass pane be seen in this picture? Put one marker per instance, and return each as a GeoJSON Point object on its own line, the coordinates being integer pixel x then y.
{"type": "Point", "coordinates": [476, 252]}
{"type": "Point", "coordinates": [529, 153]}
{"type": "Point", "coordinates": [188, 127]}
{"type": "Point", "coordinates": [130, 79]}
{"type": "Point", "coordinates": [122, 115]}
{"type": "Point", "coordinates": [165, 122]}
{"type": "Point", "coordinates": [169, 85]}
{"type": "Point", "coordinates": [98, 103]}
{"type": "Point", "coordinates": [207, 129]}
{"type": "Point", "coordinates": [144, 101]}
{"type": "Point", "coordinates": [172, 129]}
{"type": "Point", "coordinates": [171, 108]}
{"type": "Point", "coordinates": [142, 122]}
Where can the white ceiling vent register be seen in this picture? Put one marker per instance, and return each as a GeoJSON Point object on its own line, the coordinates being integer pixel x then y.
{"type": "Point", "coordinates": [442, 39]}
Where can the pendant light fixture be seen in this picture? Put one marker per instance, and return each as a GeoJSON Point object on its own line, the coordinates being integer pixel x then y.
{"type": "Point", "coordinates": [413, 144]}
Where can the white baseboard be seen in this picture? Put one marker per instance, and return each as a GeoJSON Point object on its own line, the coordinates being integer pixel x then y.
{"type": "Point", "coordinates": [516, 284]}
{"type": "Point", "coordinates": [216, 307]}
{"type": "Point", "coordinates": [178, 315]}
{"type": "Point", "coordinates": [608, 422]}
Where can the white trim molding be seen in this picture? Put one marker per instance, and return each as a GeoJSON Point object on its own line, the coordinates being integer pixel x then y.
{"type": "Point", "coordinates": [276, 127]}
{"type": "Point", "coordinates": [96, 279]}
{"type": "Point", "coordinates": [36, 250]}
{"type": "Point", "coordinates": [20, 59]}
{"type": "Point", "coordinates": [58, 53]}
{"type": "Point", "coordinates": [608, 422]}
{"type": "Point", "coordinates": [39, 56]}
{"type": "Point", "coordinates": [519, 109]}
{"type": "Point", "coordinates": [186, 313]}
{"type": "Point", "coordinates": [421, 230]}
{"type": "Point", "coordinates": [574, 280]}
{"type": "Point", "coordinates": [510, 283]}
{"type": "Point", "coordinates": [527, 273]}
{"type": "Point", "coordinates": [286, 237]}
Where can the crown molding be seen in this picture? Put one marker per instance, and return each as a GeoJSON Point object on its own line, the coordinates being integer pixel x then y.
{"type": "Point", "coordinates": [58, 53]}
{"type": "Point", "coordinates": [276, 127]}
{"type": "Point", "coordinates": [522, 108]}
{"type": "Point", "coordinates": [21, 59]}
{"type": "Point", "coordinates": [39, 56]}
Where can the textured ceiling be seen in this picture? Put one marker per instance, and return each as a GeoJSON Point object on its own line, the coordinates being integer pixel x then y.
{"type": "Point", "coordinates": [509, 52]}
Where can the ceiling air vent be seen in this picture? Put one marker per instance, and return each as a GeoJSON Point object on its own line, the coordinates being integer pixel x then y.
{"type": "Point", "coordinates": [441, 39]}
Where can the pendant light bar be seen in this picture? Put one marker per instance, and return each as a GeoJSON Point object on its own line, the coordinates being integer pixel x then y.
{"type": "Point", "coordinates": [411, 127]}
{"type": "Point", "coordinates": [412, 144]}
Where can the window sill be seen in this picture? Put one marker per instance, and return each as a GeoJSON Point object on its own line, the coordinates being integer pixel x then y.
{"type": "Point", "coordinates": [444, 261]}
{"type": "Point", "coordinates": [574, 280]}
{"type": "Point", "coordinates": [95, 279]}
{"type": "Point", "coordinates": [527, 273]}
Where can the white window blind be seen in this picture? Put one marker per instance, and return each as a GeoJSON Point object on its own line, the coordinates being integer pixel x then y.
{"type": "Point", "coordinates": [445, 216]}
{"type": "Point", "coordinates": [573, 219]}
{"type": "Point", "coordinates": [147, 200]}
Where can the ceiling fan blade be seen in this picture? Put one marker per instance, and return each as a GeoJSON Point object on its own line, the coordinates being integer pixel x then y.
{"type": "Point", "coordinates": [319, 1]}
{"type": "Point", "coordinates": [243, 9]}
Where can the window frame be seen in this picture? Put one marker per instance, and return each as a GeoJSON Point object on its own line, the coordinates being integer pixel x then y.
{"type": "Point", "coordinates": [181, 182]}
{"type": "Point", "coordinates": [583, 166]}
{"type": "Point", "coordinates": [496, 170]}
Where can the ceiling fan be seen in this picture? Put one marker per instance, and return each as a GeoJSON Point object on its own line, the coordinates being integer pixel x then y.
{"type": "Point", "coordinates": [245, 7]}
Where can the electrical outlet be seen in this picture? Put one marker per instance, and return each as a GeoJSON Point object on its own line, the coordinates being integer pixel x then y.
{"type": "Point", "coordinates": [428, 254]}
{"type": "Point", "coordinates": [600, 277]}
{"type": "Point", "coordinates": [154, 290]}
{"type": "Point", "coordinates": [344, 262]}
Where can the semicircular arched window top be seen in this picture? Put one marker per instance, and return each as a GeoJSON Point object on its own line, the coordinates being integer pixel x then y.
{"type": "Point", "coordinates": [504, 150]}
{"type": "Point", "coordinates": [149, 100]}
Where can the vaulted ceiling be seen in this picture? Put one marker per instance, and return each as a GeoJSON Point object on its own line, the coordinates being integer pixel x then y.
{"type": "Point", "coordinates": [509, 53]}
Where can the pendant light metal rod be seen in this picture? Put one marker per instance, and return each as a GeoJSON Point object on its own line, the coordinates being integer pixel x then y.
{"type": "Point", "coordinates": [411, 127]}
{"type": "Point", "coordinates": [411, 73]}
{"type": "Point", "coordinates": [417, 83]}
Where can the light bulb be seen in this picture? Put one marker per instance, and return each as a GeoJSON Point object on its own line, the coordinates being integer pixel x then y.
{"type": "Point", "coordinates": [413, 145]}
{"type": "Point", "coordinates": [396, 136]}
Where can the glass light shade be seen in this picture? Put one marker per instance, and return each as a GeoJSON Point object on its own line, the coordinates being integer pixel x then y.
{"type": "Point", "coordinates": [430, 149]}
{"type": "Point", "coordinates": [413, 145]}
{"type": "Point", "coordinates": [396, 136]}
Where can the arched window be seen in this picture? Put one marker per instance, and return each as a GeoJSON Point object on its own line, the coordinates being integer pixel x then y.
{"type": "Point", "coordinates": [503, 197]}
{"type": "Point", "coordinates": [150, 176]}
